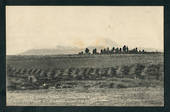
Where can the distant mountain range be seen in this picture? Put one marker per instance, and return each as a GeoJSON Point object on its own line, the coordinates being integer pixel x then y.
{"type": "Point", "coordinates": [53, 51]}
{"type": "Point", "coordinates": [68, 50]}
{"type": "Point", "coordinates": [58, 50]}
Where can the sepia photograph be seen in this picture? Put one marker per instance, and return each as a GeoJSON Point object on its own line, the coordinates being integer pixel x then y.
{"type": "Point", "coordinates": [85, 56]}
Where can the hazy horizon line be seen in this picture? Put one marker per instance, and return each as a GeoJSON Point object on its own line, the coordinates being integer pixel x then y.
{"type": "Point", "coordinates": [89, 47]}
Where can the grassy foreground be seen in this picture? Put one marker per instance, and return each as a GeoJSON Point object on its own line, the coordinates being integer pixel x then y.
{"type": "Point", "coordinates": [88, 97]}
{"type": "Point", "coordinates": [112, 92]}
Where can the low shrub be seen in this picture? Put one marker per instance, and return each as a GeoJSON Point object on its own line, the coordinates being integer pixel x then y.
{"type": "Point", "coordinates": [32, 79]}
{"type": "Point", "coordinates": [136, 70]}
{"type": "Point", "coordinates": [42, 74]}
{"type": "Point", "coordinates": [38, 71]}
{"type": "Point", "coordinates": [121, 86]}
{"type": "Point", "coordinates": [36, 77]}
{"type": "Point", "coordinates": [50, 74]}
{"type": "Point", "coordinates": [152, 71]}
{"type": "Point", "coordinates": [122, 71]}
{"type": "Point", "coordinates": [111, 85]}
{"type": "Point", "coordinates": [28, 70]}
{"type": "Point", "coordinates": [111, 71]}
{"type": "Point", "coordinates": [56, 74]}
{"type": "Point", "coordinates": [34, 70]}
{"type": "Point", "coordinates": [102, 72]}
{"type": "Point", "coordinates": [118, 71]}
{"type": "Point", "coordinates": [17, 71]}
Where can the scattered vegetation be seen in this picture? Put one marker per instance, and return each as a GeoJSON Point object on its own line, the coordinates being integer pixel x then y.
{"type": "Point", "coordinates": [43, 79]}
{"type": "Point", "coordinates": [36, 72]}
{"type": "Point", "coordinates": [115, 50]}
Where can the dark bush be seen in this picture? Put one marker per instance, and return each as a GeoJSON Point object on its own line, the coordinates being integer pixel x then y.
{"type": "Point", "coordinates": [125, 70]}
{"type": "Point", "coordinates": [138, 70]}
{"type": "Point", "coordinates": [23, 71]}
{"type": "Point", "coordinates": [122, 71]}
{"type": "Point", "coordinates": [32, 79]}
{"type": "Point", "coordinates": [58, 85]}
{"type": "Point", "coordinates": [14, 69]}
{"type": "Point", "coordinates": [42, 74]}
{"type": "Point", "coordinates": [33, 70]}
{"type": "Point", "coordinates": [75, 72]}
{"type": "Point", "coordinates": [17, 71]}
{"type": "Point", "coordinates": [111, 72]}
{"type": "Point", "coordinates": [152, 71]}
{"type": "Point", "coordinates": [56, 73]}
{"type": "Point", "coordinates": [102, 72]}
{"type": "Point", "coordinates": [80, 73]}
{"type": "Point", "coordinates": [65, 74]}
{"type": "Point", "coordinates": [28, 70]}
{"type": "Point", "coordinates": [50, 74]}
{"type": "Point", "coordinates": [118, 71]}
{"type": "Point", "coordinates": [121, 86]}
{"type": "Point", "coordinates": [38, 71]}
{"type": "Point", "coordinates": [111, 85]}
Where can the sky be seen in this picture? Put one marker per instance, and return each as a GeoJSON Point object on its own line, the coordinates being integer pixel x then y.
{"type": "Point", "coordinates": [39, 27]}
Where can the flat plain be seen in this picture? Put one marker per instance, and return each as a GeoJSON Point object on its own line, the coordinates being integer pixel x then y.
{"type": "Point", "coordinates": [95, 80]}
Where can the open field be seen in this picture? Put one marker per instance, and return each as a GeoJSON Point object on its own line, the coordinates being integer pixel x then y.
{"type": "Point", "coordinates": [102, 80]}
{"type": "Point", "coordinates": [78, 61]}
{"type": "Point", "coordinates": [88, 97]}
{"type": "Point", "coordinates": [39, 70]}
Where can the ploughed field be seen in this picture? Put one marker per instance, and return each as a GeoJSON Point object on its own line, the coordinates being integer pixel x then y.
{"type": "Point", "coordinates": [113, 80]}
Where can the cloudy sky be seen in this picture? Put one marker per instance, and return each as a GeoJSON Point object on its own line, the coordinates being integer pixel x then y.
{"type": "Point", "coordinates": [36, 27]}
